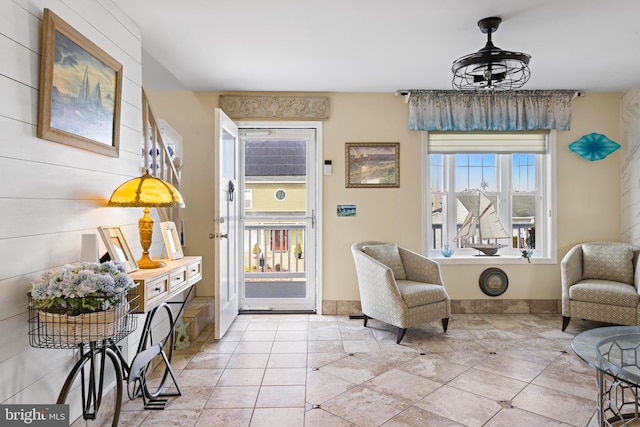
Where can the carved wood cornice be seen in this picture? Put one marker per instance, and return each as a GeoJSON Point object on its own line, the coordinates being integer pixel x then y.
{"type": "Point", "coordinates": [275, 107]}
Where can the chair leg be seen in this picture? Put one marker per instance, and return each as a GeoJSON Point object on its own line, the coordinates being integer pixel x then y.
{"type": "Point", "coordinates": [366, 318]}
{"type": "Point", "coordinates": [565, 322]}
{"type": "Point", "coordinates": [445, 323]}
{"type": "Point", "coordinates": [401, 332]}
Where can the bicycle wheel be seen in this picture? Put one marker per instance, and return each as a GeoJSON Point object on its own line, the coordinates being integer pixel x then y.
{"type": "Point", "coordinates": [93, 386]}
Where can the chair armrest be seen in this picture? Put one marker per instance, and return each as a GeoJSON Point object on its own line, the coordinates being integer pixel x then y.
{"type": "Point", "coordinates": [571, 269]}
{"type": "Point", "coordinates": [419, 268]}
{"type": "Point", "coordinates": [636, 269]}
{"type": "Point", "coordinates": [375, 280]}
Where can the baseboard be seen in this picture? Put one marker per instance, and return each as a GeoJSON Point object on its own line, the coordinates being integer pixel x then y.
{"type": "Point", "coordinates": [467, 306]}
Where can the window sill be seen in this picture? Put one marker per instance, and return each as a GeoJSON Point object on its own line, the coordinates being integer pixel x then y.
{"type": "Point", "coordinates": [498, 259]}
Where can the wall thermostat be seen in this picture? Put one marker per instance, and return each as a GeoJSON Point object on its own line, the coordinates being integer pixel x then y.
{"type": "Point", "coordinates": [327, 167]}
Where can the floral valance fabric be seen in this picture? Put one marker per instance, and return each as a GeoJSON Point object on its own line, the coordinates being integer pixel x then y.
{"type": "Point", "coordinates": [445, 110]}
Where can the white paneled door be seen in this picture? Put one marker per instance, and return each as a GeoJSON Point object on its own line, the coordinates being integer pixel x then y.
{"type": "Point", "coordinates": [226, 211]}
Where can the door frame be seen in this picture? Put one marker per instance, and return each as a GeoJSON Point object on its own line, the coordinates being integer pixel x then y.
{"type": "Point", "coordinates": [317, 125]}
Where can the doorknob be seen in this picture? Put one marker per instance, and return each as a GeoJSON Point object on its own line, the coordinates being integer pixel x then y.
{"type": "Point", "coordinates": [221, 236]}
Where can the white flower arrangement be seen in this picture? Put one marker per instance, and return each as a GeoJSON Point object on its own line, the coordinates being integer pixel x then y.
{"type": "Point", "coordinates": [81, 288]}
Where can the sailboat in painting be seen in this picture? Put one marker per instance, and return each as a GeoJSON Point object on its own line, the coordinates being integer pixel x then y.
{"type": "Point", "coordinates": [483, 222]}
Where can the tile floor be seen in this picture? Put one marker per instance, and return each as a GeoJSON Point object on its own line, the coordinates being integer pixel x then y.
{"type": "Point", "coordinates": [306, 370]}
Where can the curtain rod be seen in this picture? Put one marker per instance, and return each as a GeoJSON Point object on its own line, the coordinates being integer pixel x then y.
{"type": "Point", "coordinates": [407, 92]}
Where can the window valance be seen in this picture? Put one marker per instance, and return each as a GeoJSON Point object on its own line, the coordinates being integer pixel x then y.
{"type": "Point", "coordinates": [445, 110]}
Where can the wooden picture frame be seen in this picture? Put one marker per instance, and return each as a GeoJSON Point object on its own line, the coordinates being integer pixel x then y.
{"type": "Point", "coordinates": [372, 164]}
{"type": "Point", "coordinates": [117, 247]}
{"type": "Point", "coordinates": [171, 240]}
{"type": "Point", "coordinates": [80, 90]}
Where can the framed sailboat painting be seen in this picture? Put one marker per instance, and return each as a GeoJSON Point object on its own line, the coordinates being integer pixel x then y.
{"type": "Point", "coordinates": [80, 90]}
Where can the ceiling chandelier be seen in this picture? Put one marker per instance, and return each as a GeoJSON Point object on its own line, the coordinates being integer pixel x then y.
{"type": "Point", "coordinates": [491, 68]}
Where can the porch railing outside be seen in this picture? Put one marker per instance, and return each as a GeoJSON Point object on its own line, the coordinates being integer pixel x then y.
{"type": "Point", "coordinates": [274, 251]}
{"type": "Point", "coordinates": [274, 260]}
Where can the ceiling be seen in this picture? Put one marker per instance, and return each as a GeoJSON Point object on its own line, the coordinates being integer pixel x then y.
{"type": "Point", "coordinates": [379, 45]}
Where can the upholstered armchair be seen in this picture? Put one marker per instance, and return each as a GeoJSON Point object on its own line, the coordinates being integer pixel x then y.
{"type": "Point", "coordinates": [600, 282]}
{"type": "Point", "coordinates": [399, 287]}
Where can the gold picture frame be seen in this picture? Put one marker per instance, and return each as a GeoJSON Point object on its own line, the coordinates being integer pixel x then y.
{"type": "Point", "coordinates": [118, 248]}
{"type": "Point", "coordinates": [171, 240]}
{"type": "Point", "coordinates": [80, 90]}
{"type": "Point", "coordinates": [372, 164]}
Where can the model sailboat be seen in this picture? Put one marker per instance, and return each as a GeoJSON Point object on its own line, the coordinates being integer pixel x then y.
{"type": "Point", "coordinates": [483, 221]}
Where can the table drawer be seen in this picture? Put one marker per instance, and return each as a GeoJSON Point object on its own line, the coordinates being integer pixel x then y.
{"type": "Point", "coordinates": [156, 289]}
{"type": "Point", "coordinates": [194, 271]}
{"type": "Point", "coordinates": [157, 285]}
{"type": "Point", "coordinates": [177, 279]}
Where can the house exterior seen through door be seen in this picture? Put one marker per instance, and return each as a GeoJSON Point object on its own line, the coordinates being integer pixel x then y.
{"type": "Point", "coordinates": [279, 219]}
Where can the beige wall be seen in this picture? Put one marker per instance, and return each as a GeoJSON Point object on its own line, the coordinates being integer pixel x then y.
{"type": "Point", "coordinates": [588, 193]}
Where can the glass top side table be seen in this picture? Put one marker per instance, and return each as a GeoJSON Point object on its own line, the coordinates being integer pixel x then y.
{"type": "Point", "coordinates": [615, 354]}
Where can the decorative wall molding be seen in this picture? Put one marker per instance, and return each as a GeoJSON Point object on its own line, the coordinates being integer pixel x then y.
{"type": "Point", "coordinates": [275, 107]}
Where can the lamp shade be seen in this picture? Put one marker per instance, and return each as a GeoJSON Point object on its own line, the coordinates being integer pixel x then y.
{"type": "Point", "coordinates": [146, 191]}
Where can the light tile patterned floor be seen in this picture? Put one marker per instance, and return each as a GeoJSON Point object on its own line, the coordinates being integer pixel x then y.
{"type": "Point", "coordinates": [307, 370]}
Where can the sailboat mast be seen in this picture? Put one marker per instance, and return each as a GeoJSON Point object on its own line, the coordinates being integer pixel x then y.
{"type": "Point", "coordinates": [479, 217]}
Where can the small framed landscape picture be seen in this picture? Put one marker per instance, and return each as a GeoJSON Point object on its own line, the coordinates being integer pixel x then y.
{"type": "Point", "coordinates": [346, 210]}
{"type": "Point", "coordinates": [372, 164]}
{"type": "Point", "coordinates": [117, 247]}
{"type": "Point", "coordinates": [171, 240]}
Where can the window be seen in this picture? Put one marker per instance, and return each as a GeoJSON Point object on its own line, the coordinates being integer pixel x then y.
{"type": "Point", "coordinates": [248, 198]}
{"type": "Point", "coordinates": [280, 194]}
{"type": "Point", "coordinates": [514, 170]}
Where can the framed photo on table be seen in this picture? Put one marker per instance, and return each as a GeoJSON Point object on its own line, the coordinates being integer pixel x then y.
{"type": "Point", "coordinates": [372, 164]}
{"type": "Point", "coordinates": [80, 90]}
{"type": "Point", "coordinates": [171, 240]}
{"type": "Point", "coordinates": [117, 247]}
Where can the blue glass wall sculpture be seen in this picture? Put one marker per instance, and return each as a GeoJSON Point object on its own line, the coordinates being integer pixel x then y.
{"type": "Point", "coordinates": [594, 146]}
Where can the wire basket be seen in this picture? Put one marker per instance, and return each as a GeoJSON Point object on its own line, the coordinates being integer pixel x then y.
{"type": "Point", "coordinates": [54, 330]}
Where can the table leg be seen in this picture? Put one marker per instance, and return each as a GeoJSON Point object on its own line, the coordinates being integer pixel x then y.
{"type": "Point", "coordinates": [601, 397]}
{"type": "Point", "coordinates": [148, 349]}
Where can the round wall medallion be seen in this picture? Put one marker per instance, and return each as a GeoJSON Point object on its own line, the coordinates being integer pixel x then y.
{"type": "Point", "coordinates": [493, 282]}
{"type": "Point", "coordinates": [280, 194]}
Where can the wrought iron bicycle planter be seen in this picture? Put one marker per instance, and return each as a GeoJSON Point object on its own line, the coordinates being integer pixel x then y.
{"type": "Point", "coordinates": [96, 338]}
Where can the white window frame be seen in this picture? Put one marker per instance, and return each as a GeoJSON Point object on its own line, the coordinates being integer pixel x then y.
{"type": "Point", "coordinates": [546, 216]}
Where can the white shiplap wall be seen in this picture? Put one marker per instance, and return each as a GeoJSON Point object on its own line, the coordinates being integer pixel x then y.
{"type": "Point", "coordinates": [50, 193]}
{"type": "Point", "coordinates": [630, 182]}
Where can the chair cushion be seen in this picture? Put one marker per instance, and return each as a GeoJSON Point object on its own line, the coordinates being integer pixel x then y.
{"type": "Point", "coordinates": [418, 293]}
{"type": "Point", "coordinates": [389, 255]}
{"type": "Point", "coordinates": [607, 261]}
{"type": "Point", "coordinates": [604, 292]}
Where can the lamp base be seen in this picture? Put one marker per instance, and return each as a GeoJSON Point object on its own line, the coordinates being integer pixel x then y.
{"type": "Point", "coordinates": [145, 228]}
{"type": "Point", "coordinates": [147, 263]}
